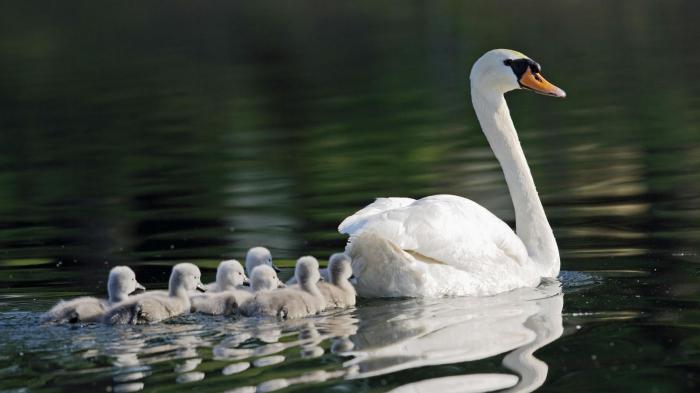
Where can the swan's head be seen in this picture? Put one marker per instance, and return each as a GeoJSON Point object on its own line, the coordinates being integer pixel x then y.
{"type": "Point", "coordinates": [502, 70]}
{"type": "Point", "coordinates": [230, 274]}
{"type": "Point", "coordinates": [264, 278]}
{"type": "Point", "coordinates": [121, 283]}
{"type": "Point", "coordinates": [186, 276]}
{"type": "Point", "coordinates": [339, 267]}
{"type": "Point", "coordinates": [257, 256]}
{"type": "Point", "coordinates": [306, 270]}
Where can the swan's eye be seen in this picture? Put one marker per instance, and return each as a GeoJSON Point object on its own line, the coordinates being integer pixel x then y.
{"type": "Point", "coordinates": [508, 62]}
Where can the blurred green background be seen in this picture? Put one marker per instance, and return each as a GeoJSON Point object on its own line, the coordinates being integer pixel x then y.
{"type": "Point", "coordinates": [174, 130]}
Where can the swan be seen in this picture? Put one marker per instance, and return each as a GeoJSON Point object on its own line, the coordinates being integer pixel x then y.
{"type": "Point", "coordinates": [155, 307]}
{"type": "Point", "coordinates": [338, 292]}
{"type": "Point", "coordinates": [223, 296]}
{"type": "Point", "coordinates": [121, 283]}
{"type": "Point", "coordinates": [289, 303]}
{"type": "Point", "coordinates": [447, 245]}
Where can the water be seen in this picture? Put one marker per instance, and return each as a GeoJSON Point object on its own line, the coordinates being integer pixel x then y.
{"type": "Point", "coordinates": [163, 132]}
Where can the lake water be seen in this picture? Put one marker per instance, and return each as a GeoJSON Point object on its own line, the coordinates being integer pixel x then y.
{"type": "Point", "coordinates": [156, 133]}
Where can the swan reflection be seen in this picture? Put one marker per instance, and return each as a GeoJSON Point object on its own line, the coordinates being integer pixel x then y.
{"type": "Point", "coordinates": [379, 337]}
{"type": "Point", "coordinates": [419, 333]}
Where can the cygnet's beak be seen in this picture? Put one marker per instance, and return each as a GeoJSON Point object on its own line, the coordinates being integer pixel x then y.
{"type": "Point", "coordinates": [246, 281]}
{"type": "Point", "coordinates": [535, 81]}
{"type": "Point", "coordinates": [139, 288]}
{"type": "Point", "coordinates": [277, 270]}
{"type": "Point", "coordinates": [280, 284]}
{"type": "Point", "coordinates": [200, 287]}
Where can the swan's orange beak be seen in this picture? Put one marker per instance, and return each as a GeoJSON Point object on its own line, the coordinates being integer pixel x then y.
{"type": "Point", "coordinates": [535, 81]}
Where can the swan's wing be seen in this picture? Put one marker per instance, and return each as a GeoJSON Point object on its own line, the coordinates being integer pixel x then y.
{"type": "Point", "coordinates": [444, 229]}
{"type": "Point", "coordinates": [353, 223]}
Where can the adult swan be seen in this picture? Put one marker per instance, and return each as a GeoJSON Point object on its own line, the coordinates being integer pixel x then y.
{"type": "Point", "coordinates": [446, 245]}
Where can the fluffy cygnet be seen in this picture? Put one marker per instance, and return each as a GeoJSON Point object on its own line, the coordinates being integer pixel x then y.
{"type": "Point", "coordinates": [121, 283]}
{"type": "Point", "coordinates": [257, 256]}
{"type": "Point", "coordinates": [229, 275]}
{"type": "Point", "coordinates": [338, 292]}
{"type": "Point", "coordinates": [291, 302]}
{"type": "Point", "coordinates": [223, 297]}
{"type": "Point", "coordinates": [324, 277]}
{"type": "Point", "coordinates": [151, 308]}
{"type": "Point", "coordinates": [264, 279]}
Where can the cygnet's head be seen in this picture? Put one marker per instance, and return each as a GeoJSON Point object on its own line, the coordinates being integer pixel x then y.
{"type": "Point", "coordinates": [230, 274]}
{"type": "Point", "coordinates": [257, 256]}
{"type": "Point", "coordinates": [185, 276]}
{"type": "Point", "coordinates": [339, 267]}
{"type": "Point", "coordinates": [306, 270]}
{"type": "Point", "coordinates": [502, 70]}
{"type": "Point", "coordinates": [121, 283]}
{"type": "Point", "coordinates": [264, 278]}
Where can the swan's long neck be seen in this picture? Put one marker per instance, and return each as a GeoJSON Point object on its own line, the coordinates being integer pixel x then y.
{"type": "Point", "coordinates": [530, 220]}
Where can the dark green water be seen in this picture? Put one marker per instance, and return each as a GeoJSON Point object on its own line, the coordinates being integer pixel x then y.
{"type": "Point", "coordinates": [147, 134]}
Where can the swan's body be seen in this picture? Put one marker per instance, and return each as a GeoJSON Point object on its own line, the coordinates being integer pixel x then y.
{"type": "Point", "coordinates": [121, 282]}
{"type": "Point", "coordinates": [338, 291]}
{"type": "Point", "coordinates": [223, 296]}
{"type": "Point", "coordinates": [155, 307]}
{"type": "Point", "coordinates": [290, 303]}
{"type": "Point", "coordinates": [446, 245]}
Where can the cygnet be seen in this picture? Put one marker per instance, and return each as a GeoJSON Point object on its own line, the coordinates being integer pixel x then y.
{"type": "Point", "coordinates": [229, 275]}
{"type": "Point", "coordinates": [223, 297]}
{"type": "Point", "coordinates": [121, 283]}
{"type": "Point", "coordinates": [151, 308]}
{"type": "Point", "coordinates": [338, 292]}
{"type": "Point", "coordinates": [288, 303]}
{"type": "Point", "coordinates": [257, 256]}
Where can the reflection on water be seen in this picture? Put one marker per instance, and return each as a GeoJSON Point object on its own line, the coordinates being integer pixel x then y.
{"type": "Point", "coordinates": [378, 338]}
{"type": "Point", "coordinates": [434, 332]}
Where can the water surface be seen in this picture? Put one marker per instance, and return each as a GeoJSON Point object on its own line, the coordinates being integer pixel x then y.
{"type": "Point", "coordinates": [165, 132]}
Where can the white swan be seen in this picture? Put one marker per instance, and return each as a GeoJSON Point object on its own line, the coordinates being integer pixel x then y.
{"type": "Point", "coordinates": [446, 245]}
{"type": "Point", "coordinates": [121, 282]}
{"type": "Point", "coordinates": [338, 292]}
{"type": "Point", "coordinates": [155, 307]}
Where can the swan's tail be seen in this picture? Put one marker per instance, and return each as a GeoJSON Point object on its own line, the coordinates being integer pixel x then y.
{"type": "Point", "coordinates": [384, 270]}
